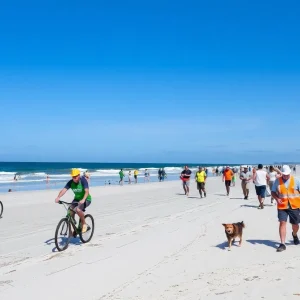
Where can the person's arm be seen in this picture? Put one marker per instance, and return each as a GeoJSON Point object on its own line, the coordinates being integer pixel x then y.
{"type": "Point", "coordinates": [268, 178]}
{"type": "Point", "coordinates": [279, 173]}
{"type": "Point", "coordinates": [86, 190]}
{"type": "Point", "coordinates": [274, 192]}
{"type": "Point", "coordinates": [63, 191]}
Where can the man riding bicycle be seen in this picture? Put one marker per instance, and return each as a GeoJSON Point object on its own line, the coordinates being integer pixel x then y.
{"type": "Point", "coordinates": [82, 199]}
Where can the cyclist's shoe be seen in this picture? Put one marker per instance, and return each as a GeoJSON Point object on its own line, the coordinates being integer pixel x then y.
{"type": "Point", "coordinates": [84, 228]}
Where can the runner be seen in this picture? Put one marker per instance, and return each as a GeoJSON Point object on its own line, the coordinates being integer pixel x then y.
{"type": "Point", "coordinates": [121, 174]}
{"type": "Point", "coordinates": [185, 177]}
{"type": "Point", "coordinates": [227, 177]}
{"type": "Point", "coordinates": [200, 179]}
{"type": "Point", "coordinates": [286, 191]}
{"type": "Point", "coordinates": [246, 177]}
{"type": "Point", "coordinates": [82, 199]}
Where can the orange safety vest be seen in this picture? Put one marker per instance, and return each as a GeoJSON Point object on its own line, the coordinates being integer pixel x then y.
{"type": "Point", "coordinates": [288, 195]}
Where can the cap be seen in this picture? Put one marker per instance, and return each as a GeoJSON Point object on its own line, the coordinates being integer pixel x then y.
{"type": "Point", "coordinates": [75, 172]}
{"type": "Point", "coordinates": [286, 170]}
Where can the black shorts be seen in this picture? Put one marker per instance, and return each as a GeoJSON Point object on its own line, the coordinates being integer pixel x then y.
{"type": "Point", "coordinates": [82, 207]}
{"type": "Point", "coordinates": [200, 185]}
{"type": "Point", "coordinates": [293, 214]}
{"type": "Point", "coordinates": [227, 182]}
{"type": "Point", "coordinates": [135, 176]}
{"type": "Point", "coordinates": [261, 190]}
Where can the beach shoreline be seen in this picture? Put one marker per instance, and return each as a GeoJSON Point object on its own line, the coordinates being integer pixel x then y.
{"type": "Point", "coordinates": [150, 242]}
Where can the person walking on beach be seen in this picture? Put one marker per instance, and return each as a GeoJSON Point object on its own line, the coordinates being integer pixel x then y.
{"type": "Point", "coordinates": [185, 177]}
{"type": "Point", "coordinates": [200, 180]}
{"type": "Point", "coordinates": [160, 175]}
{"type": "Point", "coordinates": [260, 178]}
{"type": "Point", "coordinates": [245, 177]}
{"type": "Point", "coordinates": [121, 174]}
{"type": "Point", "coordinates": [273, 174]}
{"type": "Point", "coordinates": [286, 192]}
{"type": "Point", "coordinates": [227, 177]}
{"type": "Point", "coordinates": [147, 176]}
{"type": "Point", "coordinates": [135, 174]}
{"type": "Point", "coordinates": [129, 177]}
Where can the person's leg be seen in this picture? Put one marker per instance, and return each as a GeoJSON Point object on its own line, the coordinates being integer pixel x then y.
{"type": "Point", "coordinates": [199, 189]}
{"type": "Point", "coordinates": [282, 231]}
{"type": "Point", "coordinates": [244, 189]}
{"type": "Point", "coordinates": [187, 188]}
{"type": "Point", "coordinates": [282, 218]}
{"type": "Point", "coordinates": [184, 187]}
{"type": "Point", "coordinates": [227, 184]}
{"type": "Point", "coordinates": [203, 188]}
{"type": "Point", "coordinates": [294, 220]}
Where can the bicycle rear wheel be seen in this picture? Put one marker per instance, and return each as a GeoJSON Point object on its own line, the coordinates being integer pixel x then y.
{"type": "Point", "coordinates": [87, 236]}
{"type": "Point", "coordinates": [1, 209]}
{"type": "Point", "coordinates": [63, 234]}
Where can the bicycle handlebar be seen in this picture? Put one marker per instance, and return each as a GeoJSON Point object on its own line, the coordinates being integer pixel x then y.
{"type": "Point", "coordinates": [63, 202]}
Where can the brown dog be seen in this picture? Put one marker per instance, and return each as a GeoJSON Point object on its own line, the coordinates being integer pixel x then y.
{"type": "Point", "coordinates": [233, 231]}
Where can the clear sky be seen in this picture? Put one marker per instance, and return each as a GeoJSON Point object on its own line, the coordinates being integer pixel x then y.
{"type": "Point", "coordinates": [150, 81]}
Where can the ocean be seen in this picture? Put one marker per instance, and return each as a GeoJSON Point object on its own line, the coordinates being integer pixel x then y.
{"type": "Point", "coordinates": [32, 175]}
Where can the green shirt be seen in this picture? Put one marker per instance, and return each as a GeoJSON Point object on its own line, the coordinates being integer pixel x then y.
{"type": "Point", "coordinates": [121, 173]}
{"type": "Point", "coordinates": [79, 189]}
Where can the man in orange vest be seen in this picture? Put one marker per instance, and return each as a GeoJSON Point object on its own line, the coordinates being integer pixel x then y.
{"type": "Point", "coordinates": [286, 191]}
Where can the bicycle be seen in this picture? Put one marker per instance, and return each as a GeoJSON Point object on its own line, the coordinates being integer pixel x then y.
{"type": "Point", "coordinates": [64, 235]}
{"type": "Point", "coordinates": [1, 209]}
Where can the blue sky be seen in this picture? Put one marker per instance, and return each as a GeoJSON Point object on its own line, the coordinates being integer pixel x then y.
{"type": "Point", "coordinates": [150, 81]}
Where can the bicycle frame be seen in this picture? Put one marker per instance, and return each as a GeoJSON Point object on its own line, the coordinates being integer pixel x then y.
{"type": "Point", "coordinates": [70, 218]}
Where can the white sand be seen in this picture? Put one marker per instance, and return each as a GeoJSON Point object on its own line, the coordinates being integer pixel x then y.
{"type": "Point", "coordinates": [149, 243]}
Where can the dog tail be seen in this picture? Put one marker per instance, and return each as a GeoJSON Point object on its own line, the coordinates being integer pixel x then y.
{"type": "Point", "coordinates": [243, 224]}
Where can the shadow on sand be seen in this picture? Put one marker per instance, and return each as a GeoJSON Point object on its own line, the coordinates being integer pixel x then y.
{"type": "Point", "coordinates": [73, 241]}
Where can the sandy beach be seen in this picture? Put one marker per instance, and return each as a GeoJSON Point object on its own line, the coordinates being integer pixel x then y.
{"type": "Point", "coordinates": [150, 242]}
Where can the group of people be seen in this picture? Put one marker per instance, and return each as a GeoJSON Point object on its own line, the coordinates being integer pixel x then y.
{"type": "Point", "coordinates": [161, 176]}
{"type": "Point", "coordinates": [277, 182]}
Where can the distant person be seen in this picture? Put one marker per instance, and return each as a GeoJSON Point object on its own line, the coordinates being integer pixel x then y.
{"type": "Point", "coordinates": [10, 190]}
{"type": "Point", "coordinates": [286, 192]}
{"type": "Point", "coordinates": [217, 171]}
{"type": "Point", "coordinates": [160, 175]}
{"type": "Point", "coordinates": [260, 178]}
{"type": "Point", "coordinates": [87, 176]}
{"type": "Point", "coordinates": [227, 177]}
{"type": "Point", "coordinates": [121, 174]}
{"type": "Point", "coordinates": [273, 174]}
{"type": "Point", "coordinates": [245, 177]}
{"type": "Point", "coordinates": [135, 174]}
{"type": "Point", "coordinates": [185, 177]}
{"type": "Point", "coordinates": [47, 178]}
{"type": "Point", "coordinates": [129, 177]}
{"type": "Point", "coordinates": [164, 174]}
{"type": "Point", "coordinates": [200, 180]}
{"type": "Point", "coordinates": [16, 178]}
{"type": "Point", "coordinates": [147, 176]}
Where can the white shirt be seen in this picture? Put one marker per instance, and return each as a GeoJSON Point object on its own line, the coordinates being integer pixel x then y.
{"type": "Point", "coordinates": [261, 178]}
{"type": "Point", "coordinates": [272, 175]}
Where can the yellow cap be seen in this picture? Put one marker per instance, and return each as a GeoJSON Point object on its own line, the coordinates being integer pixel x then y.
{"type": "Point", "coordinates": [75, 172]}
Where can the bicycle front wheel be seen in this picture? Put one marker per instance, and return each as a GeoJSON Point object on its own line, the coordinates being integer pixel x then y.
{"type": "Point", "coordinates": [63, 234]}
{"type": "Point", "coordinates": [87, 236]}
{"type": "Point", "coordinates": [1, 209]}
